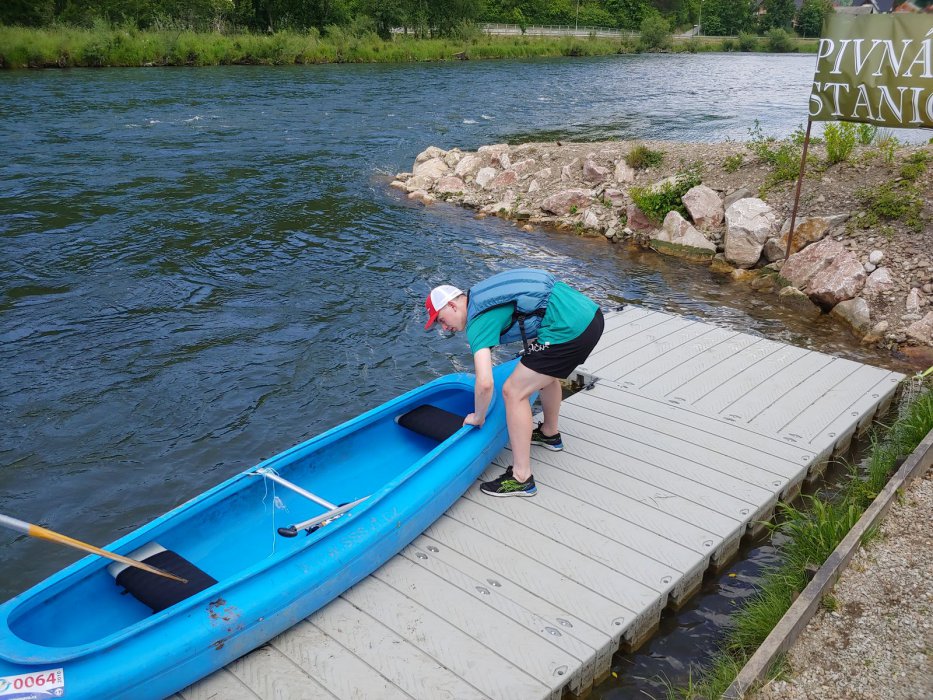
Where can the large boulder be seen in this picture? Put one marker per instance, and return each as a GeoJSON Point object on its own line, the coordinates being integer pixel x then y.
{"type": "Point", "coordinates": [826, 271]}
{"type": "Point", "coordinates": [677, 231]}
{"type": "Point", "coordinates": [749, 223]}
{"type": "Point", "coordinates": [429, 153]}
{"type": "Point", "coordinates": [503, 179]}
{"type": "Point", "coordinates": [704, 206]}
{"type": "Point", "coordinates": [486, 176]}
{"type": "Point", "coordinates": [449, 184]}
{"type": "Point", "coordinates": [922, 330]}
{"type": "Point", "coordinates": [878, 282]}
{"type": "Point", "coordinates": [807, 230]}
{"type": "Point", "coordinates": [794, 298]}
{"type": "Point", "coordinates": [855, 313]}
{"type": "Point", "coordinates": [624, 173]}
{"type": "Point", "coordinates": [594, 173]}
{"type": "Point", "coordinates": [561, 202]}
{"type": "Point", "coordinates": [432, 168]}
{"type": "Point", "coordinates": [638, 220]}
{"type": "Point", "coordinates": [468, 165]}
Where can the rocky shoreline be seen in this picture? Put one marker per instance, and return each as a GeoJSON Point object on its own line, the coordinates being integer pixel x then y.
{"type": "Point", "coordinates": [874, 272]}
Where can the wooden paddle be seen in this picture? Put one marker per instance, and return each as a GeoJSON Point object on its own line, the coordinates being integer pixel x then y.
{"type": "Point", "coordinates": [44, 534]}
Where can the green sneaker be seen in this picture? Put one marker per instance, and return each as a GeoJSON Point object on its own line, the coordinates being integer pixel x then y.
{"type": "Point", "coordinates": [550, 442]}
{"type": "Point", "coordinates": [507, 485]}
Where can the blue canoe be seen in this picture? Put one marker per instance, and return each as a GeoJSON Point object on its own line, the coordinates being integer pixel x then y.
{"type": "Point", "coordinates": [79, 634]}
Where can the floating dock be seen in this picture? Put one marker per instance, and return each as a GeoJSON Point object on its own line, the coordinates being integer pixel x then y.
{"type": "Point", "coordinates": [684, 437]}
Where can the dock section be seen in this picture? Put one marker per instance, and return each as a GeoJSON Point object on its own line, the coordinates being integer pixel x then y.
{"type": "Point", "coordinates": [684, 437]}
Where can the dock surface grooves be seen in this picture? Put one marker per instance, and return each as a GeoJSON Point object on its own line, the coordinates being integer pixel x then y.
{"type": "Point", "coordinates": [688, 437]}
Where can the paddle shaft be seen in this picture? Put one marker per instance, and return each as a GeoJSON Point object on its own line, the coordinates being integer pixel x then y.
{"type": "Point", "coordinates": [52, 536]}
{"type": "Point", "coordinates": [269, 474]}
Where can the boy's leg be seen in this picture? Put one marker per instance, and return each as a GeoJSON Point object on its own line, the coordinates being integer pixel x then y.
{"type": "Point", "coordinates": [550, 395]}
{"type": "Point", "coordinates": [518, 388]}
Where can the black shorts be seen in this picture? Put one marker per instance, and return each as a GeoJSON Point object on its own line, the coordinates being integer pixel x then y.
{"type": "Point", "coordinates": [563, 358]}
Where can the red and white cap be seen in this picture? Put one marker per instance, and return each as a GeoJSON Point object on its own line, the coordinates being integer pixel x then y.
{"type": "Point", "coordinates": [437, 300]}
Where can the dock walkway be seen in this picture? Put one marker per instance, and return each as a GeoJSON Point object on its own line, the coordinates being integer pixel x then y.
{"type": "Point", "coordinates": [682, 440]}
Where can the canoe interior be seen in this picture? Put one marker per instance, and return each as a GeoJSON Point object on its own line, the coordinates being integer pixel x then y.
{"type": "Point", "coordinates": [233, 527]}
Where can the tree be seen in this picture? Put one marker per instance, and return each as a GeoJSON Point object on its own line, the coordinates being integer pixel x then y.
{"type": "Point", "coordinates": [655, 32]}
{"type": "Point", "coordinates": [726, 17]}
{"type": "Point", "coordinates": [27, 13]}
{"type": "Point", "coordinates": [811, 15]}
{"type": "Point", "coordinates": [778, 14]}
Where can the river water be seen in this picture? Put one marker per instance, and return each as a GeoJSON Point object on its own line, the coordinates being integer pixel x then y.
{"type": "Point", "coordinates": [202, 267]}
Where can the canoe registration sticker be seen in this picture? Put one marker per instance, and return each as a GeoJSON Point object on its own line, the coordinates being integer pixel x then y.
{"type": "Point", "coordinates": [38, 685]}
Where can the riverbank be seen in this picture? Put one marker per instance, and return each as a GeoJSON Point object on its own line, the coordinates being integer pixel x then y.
{"type": "Point", "coordinates": [872, 636]}
{"type": "Point", "coordinates": [74, 47]}
{"type": "Point", "coordinates": [869, 216]}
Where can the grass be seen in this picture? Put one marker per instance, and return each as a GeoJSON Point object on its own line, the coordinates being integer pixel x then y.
{"type": "Point", "coordinates": [892, 201]}
{"type": "Point", "coordinates": [641, 157]}
{"type": "Point", "coordinates": [783, 156]}
{"type": "Point", "coordinates": [65, 46]}
{"type": "Point", "coordinates": [812, 533]}
{"type": "Point", "coordinates": [656, 201]}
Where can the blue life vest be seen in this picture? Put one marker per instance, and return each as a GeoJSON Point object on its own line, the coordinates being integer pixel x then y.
{"type": "Point", "coordinates": [529, 291]}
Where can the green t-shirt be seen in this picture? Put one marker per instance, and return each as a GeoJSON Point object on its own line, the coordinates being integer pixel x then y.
{"type": "Point", "coordinates": [568, 314]}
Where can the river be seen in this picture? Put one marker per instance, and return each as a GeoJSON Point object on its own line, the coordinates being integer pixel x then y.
{"type": "Point", "coordinates": [202, 267]}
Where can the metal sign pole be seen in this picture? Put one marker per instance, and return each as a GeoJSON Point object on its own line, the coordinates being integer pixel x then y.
{"type": "Point", "coordinates": [803, 166]}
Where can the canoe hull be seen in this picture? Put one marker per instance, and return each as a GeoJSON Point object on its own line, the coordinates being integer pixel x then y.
{"type": "Point", "coordinates": [167, 651]}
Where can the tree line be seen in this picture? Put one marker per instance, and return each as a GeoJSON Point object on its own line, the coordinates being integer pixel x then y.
{"type": "Point", "coordinates": [419, 17]}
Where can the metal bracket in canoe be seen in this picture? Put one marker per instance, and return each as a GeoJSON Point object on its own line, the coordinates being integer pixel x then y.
{"type": "Point", "coordinates": [316, 522]}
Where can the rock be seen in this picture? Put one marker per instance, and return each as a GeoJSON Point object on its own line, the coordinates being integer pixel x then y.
{"type": "Point", "coordinates": [590, 220]}
{"type": "Point", "coordinates": [449, 184]}
{"type": "Point", "coordinates": [880, 328]}
{"type": "Point", "coordinates": [735, 196]}
{"type": "Point", "coordinates": [523, 167]}
{"type": "Point", "coordinates": [875, 256]}
{"type": "Point", "coordinates": [922, 330]}
{"type": "Point", "coordinates": [749, 223]}
{"type": "Point", "coordinates": [398, 184]}
{"type": "Point", "coordinates": [533, 187]}
{"type": "Point", "coordinates": [453, 157]}
{"type": "Point", "coordinates": [826, 271]}
{"type": "Point", "coordinates": [704, 206]}
{"type": "Point", "coordinates": [503, 179]}
{"type": "Point", "coordinates": [806, 231]}
{"type": "Point", "coordinates": [493, 149]}
{"type": "Point", "coordinates": [854, 312]}
{"type": "Point", "coordinates": [624, 172]}
{"type": "Point", "coordinates": [928, 288]}
{"type": "Point", "coordinates": [617, 198]}
{"type": "Point", "coordinates": [637, 220]}
{"type": "Point", "coordinates": [913, 302]}
{"type": "Point", "coordinates": [799, 301]}
{"type": "Point", "coordinates": [566, 172]}
{"type": "Point", "coordinates": [433, 168]}
{"type": "Point", "coordinates": [878, 281]}
{"type": "Point", "coordinates": [421, 196]}
{"type": "Point", "coordinates": [419, 182]}
{"type": "Point", "coordinates": [543, 174]}
{"type": "Point", "coordinates": [678, 231]}
{"type": "Point", "coordinates": [594, 173]}
{"type": "Point", "coordinates": [467, 165]}
{"type": "Point", "coordinates": [429, 153]}
{"type": "Point", "coordinates": [485, 176]}
{"type": "Point", "coordinates": [869, 267]}
{"type": "Point", "coordinates": [561, 202]}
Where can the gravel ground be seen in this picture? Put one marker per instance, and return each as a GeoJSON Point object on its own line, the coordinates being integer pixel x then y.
{"type": "Point", "coordinates": [878, 643]}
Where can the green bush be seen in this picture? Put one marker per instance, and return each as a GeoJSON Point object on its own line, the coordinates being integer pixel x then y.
{"type": "Point", "coordinates": [783, 157]}
{"type": "Point", "coordinates": [866, 133]}
{"type": "Point", "coordinates": [656, 201]}
{"type": "Point", "coordinates": [747, 41]}
{"type": "Point", "coordinates": [891, 202]}
{"type": "Point", "coordinates": [840, 140]}
{"type": "Point", "coordinates": [730, 44]}
{"type": "Point", "coordinates": [780, 41]}
{"type": "Point", "coordinates": [915, 166]}
{"type": "Point", "coordinates": [655, 33]}
{"type": "Point", "coordinates": [641, 157]}
{"type": "Point", "coordinates": [733, 162]}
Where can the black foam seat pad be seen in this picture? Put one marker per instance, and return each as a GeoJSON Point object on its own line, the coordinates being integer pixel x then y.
{"type": "Point", "coordinates": [432, 422]}
{"type": "Point", "coordinates": [159, 592]}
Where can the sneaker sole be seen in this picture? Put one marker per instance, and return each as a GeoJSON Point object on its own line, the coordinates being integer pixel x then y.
{"type": "Point", "coordinates": [552, 448]}
{"type": "Point", "coordinates": [523, 494]}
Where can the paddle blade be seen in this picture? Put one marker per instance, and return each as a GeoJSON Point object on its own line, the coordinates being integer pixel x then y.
{"type": "Point", "coordinates": [52, 536]}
